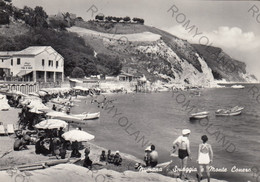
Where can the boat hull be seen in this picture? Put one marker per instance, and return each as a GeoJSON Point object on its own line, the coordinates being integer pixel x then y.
{"type": "Point", "coordinates": [229, 114]}
{"type": "Point", "coordinates": [88, 116]}
{"type": "Point", "coordinates": [199, 117]}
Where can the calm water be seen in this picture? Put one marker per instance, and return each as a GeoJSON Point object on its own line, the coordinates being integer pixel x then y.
{"type": "Point", "coordinates": [160, 117]}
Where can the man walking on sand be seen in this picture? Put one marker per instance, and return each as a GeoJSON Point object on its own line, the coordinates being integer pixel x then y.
{"type": "Point", "coordinates": [183, 145]}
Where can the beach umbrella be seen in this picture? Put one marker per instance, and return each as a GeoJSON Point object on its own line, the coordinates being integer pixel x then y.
{"type": "Point", "coordinates": [33, 94]}
{"type": "Point", "coordinates": [77, 135]}
{"type": "Point", "coordinates": [42, 93]}
{"type": "Point", "coordinates": [51, 124]}
{"type": "Point", "coordinates": [35, 110]}
{"type": "Point", "coordinates": [16, 92]}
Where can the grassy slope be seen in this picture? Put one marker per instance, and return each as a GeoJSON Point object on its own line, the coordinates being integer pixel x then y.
{"type": "Point", "coordinates": [185, 51]}
{"type": "Point", "coordinates": [182, 48]}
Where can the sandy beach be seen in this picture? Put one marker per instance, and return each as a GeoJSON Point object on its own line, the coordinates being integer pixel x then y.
{"type": "Point", "coordinates": [110, 172]}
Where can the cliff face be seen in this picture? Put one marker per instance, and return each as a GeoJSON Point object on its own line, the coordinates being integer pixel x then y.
{"type": "Point", "coordinates": [148, 53]}
{"type": "Point", "coordinates": [223, 66]}
{"type": "Point", "coordinates": [159, 55]}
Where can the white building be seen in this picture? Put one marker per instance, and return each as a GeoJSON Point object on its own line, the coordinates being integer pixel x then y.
{"type": "Point", "coordinates": [35, 63]}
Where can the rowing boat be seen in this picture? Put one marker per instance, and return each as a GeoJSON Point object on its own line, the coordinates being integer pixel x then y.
{"type": "Point", "coordinates": [222, 112]}
{"type": "Point", "coordinates": [87, 116]}
{"type": "Point", "coordinates": [199, 115]}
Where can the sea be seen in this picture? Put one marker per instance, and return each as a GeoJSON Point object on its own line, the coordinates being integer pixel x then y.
{"type": "Point", "coordinates": [130, 122]}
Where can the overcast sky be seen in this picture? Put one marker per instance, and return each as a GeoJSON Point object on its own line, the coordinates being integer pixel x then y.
{"type": "Point", "coordinates": [226, 24]}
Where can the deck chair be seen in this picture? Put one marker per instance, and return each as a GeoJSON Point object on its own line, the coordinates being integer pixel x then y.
{"type": "Point", "coordinates": [2, 130]}
{"type": "Point", "coordinates": [10, 129]}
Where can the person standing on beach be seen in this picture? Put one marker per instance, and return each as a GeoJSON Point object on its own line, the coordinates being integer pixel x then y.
{"type": "Point", "coordinates": [205, 157]}
{"type": "Point", "coordinates": [183, 145]}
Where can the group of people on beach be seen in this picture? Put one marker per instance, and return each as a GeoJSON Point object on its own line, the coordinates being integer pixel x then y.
{"type": "Point", "coordinates": [110, 158]}
{"type": "Point", "coordinates": [182, 145]}
{"type": "Point", "coordinates": [205, 154]}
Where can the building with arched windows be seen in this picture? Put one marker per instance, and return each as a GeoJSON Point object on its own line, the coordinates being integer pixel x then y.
{"type": "Point", "coordinates": [34, 64]}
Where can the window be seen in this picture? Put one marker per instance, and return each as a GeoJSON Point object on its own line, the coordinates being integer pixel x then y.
{"type": "Point", "coordinates": [2, 60]}
{"type": "Point", "coordinates": [11, 62]}
{"type": "Point", "coordinates": [57, 64]}
{"type": "Point", "coordinates": [50, 63]}
{"type": "Point", "coordinates": [18, 61]}
{"type": "Point", "coordinates": [42, 62]}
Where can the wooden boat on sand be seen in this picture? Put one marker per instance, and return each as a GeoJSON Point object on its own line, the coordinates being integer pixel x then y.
{"type": "Point", "coordinates": [87, 116]}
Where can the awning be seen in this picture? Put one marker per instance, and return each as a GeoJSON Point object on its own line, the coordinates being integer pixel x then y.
{"type": "Point", "coordinates": [23, 72]}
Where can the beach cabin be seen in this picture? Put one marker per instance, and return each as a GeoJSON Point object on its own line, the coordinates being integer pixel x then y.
{"type": "Point", "coordinates": [4, 64]}
{"type": "Point", "coordinates": [125, 77]}
{"type": "Point", "coordinates": [34, 64]}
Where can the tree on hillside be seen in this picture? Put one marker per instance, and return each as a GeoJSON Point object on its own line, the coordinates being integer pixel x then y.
{"type": "Point", "coordinates": [118, 19]}
{"type": "Point", "coordinates": [35, 18]}
{"type": "Point", "coordinates": [18, 14]}
{"type": "Point", "coordinates": [114, 18]}
{"type": "Point", "coordinates": [40, 17]}
{"type": "Point", "coordinates": [4, 18]}
{"type": "Point", "coordinates": [91, 69]}
{"type": "Point", "coordinates": [108, 18]}
{"type": "Point", "coordinates": [110, 64]}
{"type": "Point", "coordinates": [79, 18]}
{"type": "Point", "coordinates": [77, 73]}
{"type": "Point", "coordinates": [141, 21]}
{"type": "Point", "coordinates": [126, 19]}
{"type": "Point", "coordinates": [2, 4]}
{"type": "Point", "coordinates": [138, 20]}
{"type": "Point", "coordinates": [99, 17]}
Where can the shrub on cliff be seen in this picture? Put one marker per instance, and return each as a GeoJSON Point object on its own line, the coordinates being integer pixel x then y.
{"type": "Point", "coordinates": [4, 18]}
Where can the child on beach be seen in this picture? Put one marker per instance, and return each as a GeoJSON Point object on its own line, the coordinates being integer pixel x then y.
{"type": "Point", "coordinates": [205, 157]}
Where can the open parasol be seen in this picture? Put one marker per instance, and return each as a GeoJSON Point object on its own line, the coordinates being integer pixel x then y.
{"type": "Point", "coordinates": [51, 124]}
{"type": "Point", "coordinates": [77, 135]}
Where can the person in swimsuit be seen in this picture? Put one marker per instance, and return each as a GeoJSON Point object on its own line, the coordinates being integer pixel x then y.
{"type": "Point", "coordinates": [205, 157]}
{"type": "Point", "coordinates": [183, 145]}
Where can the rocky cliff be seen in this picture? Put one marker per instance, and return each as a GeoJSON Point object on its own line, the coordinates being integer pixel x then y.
{"type": "Point", "coordinates": [161, 56]}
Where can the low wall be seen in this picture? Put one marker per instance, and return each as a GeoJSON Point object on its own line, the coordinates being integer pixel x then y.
{"type": "Point", "coordinates": [111, 85]}
{"type": "Point", "coordinates": [24, 87]}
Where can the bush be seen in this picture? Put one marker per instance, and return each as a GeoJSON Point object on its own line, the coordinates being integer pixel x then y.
{"type": "Point", "coordinates": [99, 17]}
{"type": "Point", "coordinates": [77, 73]}
{"type": "Point", "coordinates": [4, 18]}
{"type": "Point", "coordinates": [126, 19]}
